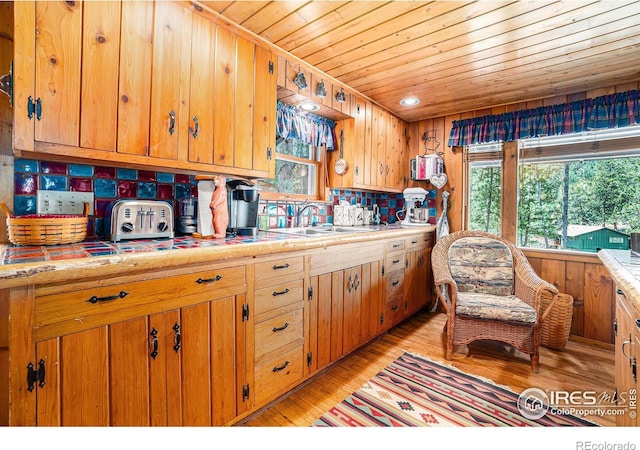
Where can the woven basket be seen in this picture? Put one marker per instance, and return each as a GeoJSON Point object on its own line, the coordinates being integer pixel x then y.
{"type": "Point", "coordinates": [41, 229]}
{"type": "Point", "coordinates": [556, 327]}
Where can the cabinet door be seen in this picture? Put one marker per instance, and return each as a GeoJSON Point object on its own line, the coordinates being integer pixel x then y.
{"type": "Point", "coordinates": [372, 301]}
{"type": "Point", "coordinates": [76, 389]}
{"type": "Point", "coordinates": [201, 95]}
{"type": "Point", "coordinates": [224, 97]}
{"type": "Point", "coordinates": [264, 109]}
{"type": "Point", "coordinates": [58, 51]}
{"type": "Point", "coordinates": [625, 357]}
{"type": "Point", "coordinates": [164, 345]}
{"type": "Point", "coordinates": [352, 307]}
{"type": "Point", "coordinates": [417, 281]}
{"type": "Point", "coordinates": [170, 82]}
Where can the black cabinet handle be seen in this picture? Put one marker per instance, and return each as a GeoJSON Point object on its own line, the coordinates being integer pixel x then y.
{"type": "Point", "coordinates": [395, 283]}
{"type": "Point", "coordinates": [209, 280]}
{"type": "Point", "coordinates": [276, 293]}
{"type": "Point", "coordinates": [396, 261]}
{"type": "Point", "coordinates": [172, 122]}
{"type": "Point", "coordinates": [394, 308]}
{"type": "Point", "coordinates": [638, 323]}
{"type": "Point", "coordinates": [154, 343]}
{"type": "Point", "coordinates": [620, 292]}
{"type": "Point", "coordinates": [282, 367]}
{"type": "Point", "coordinates": [177, 339]}
{"type": "Point", "coordinates": [284, 266]}
{"type": "Point", "coordinates": [283, 327]}
{"type": "Point", "coordinates": [196, 127]}
{"type": "Point", "coordinates": [95, 299]}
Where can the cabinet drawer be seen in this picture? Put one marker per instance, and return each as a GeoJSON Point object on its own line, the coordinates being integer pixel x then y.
{"type": "Point", "coordinates": [393, 313]}
{"type": "Point", "coordinates": [394, 245]}
{"type": "Point", "coordinates": [74, 305]}
{"type": "Point", "coordinates": [278, 373]}
{"type": "Point", "coordinates": [418, 242]}
{"type": "Point", "coordinates": [395, 286]}
{"type": "Point", "coordinates": [279, 270]}
{"type": "Point", "coordinates": [394, 261]}
{"type": "Point", "coordinates": [278, 295]}
{"type": "Point", "coordinates": [278, 331]}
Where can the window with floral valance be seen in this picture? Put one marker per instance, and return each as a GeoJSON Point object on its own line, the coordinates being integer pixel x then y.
{"type": "Point", "coordinates": [293, 123]}
{"type": "Point", "coordinates": [608, 111]}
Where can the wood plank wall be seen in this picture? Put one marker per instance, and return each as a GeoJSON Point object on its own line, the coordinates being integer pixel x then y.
{"type": "Point", "coordinates": [583, 277]}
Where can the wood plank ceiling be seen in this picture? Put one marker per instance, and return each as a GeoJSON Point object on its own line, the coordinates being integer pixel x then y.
{"type": "Point", "coordinates": [454, 56]}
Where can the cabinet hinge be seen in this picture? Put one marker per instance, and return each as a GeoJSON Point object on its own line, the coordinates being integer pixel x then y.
{"type": "Point", "coordinates": [634, 369]}
{"type": "Point", "coordinates": [6, 84]}
{"type": "Point", "coordinates": [382, 270]}
{"type": "Point", "coordinates": [309, 359]}
{"type": "Point", "coordinates": [615, 327]}
{"type": "Point", "coordinates": [245, 312]}
{"type": "Point", "coordinates": [34, 107]}
{"type": "Point", "coordinates": [245, 392]}
{"type": "Point", "coordinates": [269, 153]}
{"type": "Point", "coordinates": [615, 395]}
{"type": "Point", "coordinates": [271, 67]}
{"type": "Point", "coordinates": [35, 376]}
{"type": "Point", "coordinates": [381, 319]}
{"type": "Point", "coordinates": [310, 293]}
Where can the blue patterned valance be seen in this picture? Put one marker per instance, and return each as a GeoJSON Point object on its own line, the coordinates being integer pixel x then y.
{"type": "Point", "coordinates": [608, 111]}
{"type": "Point", "coordinates": [293, 123]}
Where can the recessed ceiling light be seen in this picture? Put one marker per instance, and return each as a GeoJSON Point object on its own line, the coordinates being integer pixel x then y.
{"type": "Point", "coordinates": [308, 106]}
{"type": "Point", "coordinates": [409, 101]}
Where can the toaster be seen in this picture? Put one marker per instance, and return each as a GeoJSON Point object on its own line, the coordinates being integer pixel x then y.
{"type": "Point", "coordinates": [140, 219]}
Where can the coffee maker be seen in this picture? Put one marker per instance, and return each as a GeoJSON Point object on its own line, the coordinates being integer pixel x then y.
{"type": "Point", "coordinates": [187, 215]}
{"type": "Point", "coordinates": [243, 198]}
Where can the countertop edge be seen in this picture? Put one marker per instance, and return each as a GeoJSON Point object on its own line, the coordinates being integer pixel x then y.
{"type": "Point", "coordinates": [46, 272]}
{"type": "Point", "coordinates": [614, 261]}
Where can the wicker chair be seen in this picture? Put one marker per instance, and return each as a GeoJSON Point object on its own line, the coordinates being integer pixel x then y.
{"type": "Point", "coordinates": [489, 291]}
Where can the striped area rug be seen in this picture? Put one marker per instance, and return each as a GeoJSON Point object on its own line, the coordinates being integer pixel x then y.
{"type": "Point", "coordinates": [416, 392]}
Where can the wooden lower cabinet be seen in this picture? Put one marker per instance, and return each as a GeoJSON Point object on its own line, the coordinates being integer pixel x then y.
{"type": "Point", "coordinates": [197, 346]}
{"type": "Point", "coordinates": [627, 353]}
{"type": "Point", "coordinates": [167, 369]}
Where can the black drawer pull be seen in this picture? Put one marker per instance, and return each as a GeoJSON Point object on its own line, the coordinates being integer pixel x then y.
{"type": "Point", "coordinates": [177, 338]}
{"type": "Point", "coordinates": [285, 266]}
{"type": "Point", "coordinates": [619, 292]}
{"type": "Point", "coordinates": [394, 308]}
{"type": "Point", "coordinates": [395, 283]}
{"type": "Point", "coordinates": [638, 323]}
{"type": "Point", "coordinates": [276, 293]}
{"type": "Point", "coordinates": [414, 242]}
{"type": "Point", "coordinates": [283, 327]}
{"type": "Point", "coordinates": [396, 245]}
{"type": "Point", "coordinates": [282, 367]}
{"type": "Point", "coordinates": [396, 261]}
{"type": "Point", "coordinates": [154, 343]}
{"type": "Point", "coordinates": [95, 299]}
{"type": "Point", "coordinates": [209, 280]}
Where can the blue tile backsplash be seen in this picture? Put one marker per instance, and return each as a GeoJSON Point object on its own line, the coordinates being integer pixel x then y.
{"type": "Point", "coordinates": [109, 184]}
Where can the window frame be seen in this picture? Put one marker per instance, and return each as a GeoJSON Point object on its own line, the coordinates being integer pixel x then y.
{"type": "Point", "coordinates": [607, 144]}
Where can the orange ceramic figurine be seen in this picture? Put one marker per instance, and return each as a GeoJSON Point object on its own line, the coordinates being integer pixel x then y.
{"type": "Point", "coordinates": [219, 208]}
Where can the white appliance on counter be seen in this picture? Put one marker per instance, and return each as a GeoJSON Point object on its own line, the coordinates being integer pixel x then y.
{"type": "Point", "coordinates": [414, 212]}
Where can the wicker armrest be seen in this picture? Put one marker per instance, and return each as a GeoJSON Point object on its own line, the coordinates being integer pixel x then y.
{"type": "Point", "coordinates": [529, 287]}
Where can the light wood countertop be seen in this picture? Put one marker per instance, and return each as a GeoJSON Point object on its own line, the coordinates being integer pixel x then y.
{"type": "Point", "coordinates": [73, 269]}
{"type": "Point", "coordinates": [624, 268]}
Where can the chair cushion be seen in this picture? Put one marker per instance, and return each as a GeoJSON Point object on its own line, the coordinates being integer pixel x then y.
{"type": "Point", "coordinates": [482, 265]}
{"type": "Point", "coordinates": [508, 308]}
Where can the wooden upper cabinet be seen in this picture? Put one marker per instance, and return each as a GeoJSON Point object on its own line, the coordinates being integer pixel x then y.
{"type": "Point", "coordinates": [151, 84]}
{"type": "Point", "coordinates": [57, 72]}
{"type": "Point", "coordinates": [170, 78]}
{"type": "Point", "coordinates": [375, 148]}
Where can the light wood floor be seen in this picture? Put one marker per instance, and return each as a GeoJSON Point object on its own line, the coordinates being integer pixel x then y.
{"type": "Point", "coordinates": [579, 367]}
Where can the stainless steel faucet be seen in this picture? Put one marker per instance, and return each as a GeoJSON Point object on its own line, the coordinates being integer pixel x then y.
{"type": "Point", "coordinates": [300, 209]}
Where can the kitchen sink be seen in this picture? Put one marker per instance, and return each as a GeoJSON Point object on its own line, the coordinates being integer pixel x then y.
{"type": "Point", "coordinates": [320, 230]}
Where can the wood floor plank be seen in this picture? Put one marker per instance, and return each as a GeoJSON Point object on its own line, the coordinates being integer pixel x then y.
{"type": "Point", "coordinates": [581, 366]}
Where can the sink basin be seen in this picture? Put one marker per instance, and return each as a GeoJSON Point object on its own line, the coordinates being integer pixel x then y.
{"type": "Point", "coordinates": [320, 230]}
